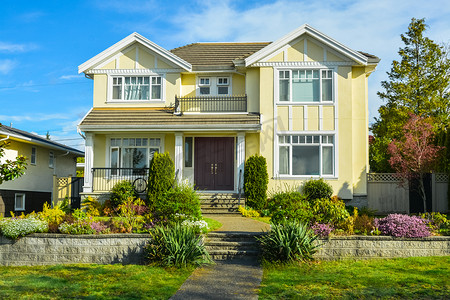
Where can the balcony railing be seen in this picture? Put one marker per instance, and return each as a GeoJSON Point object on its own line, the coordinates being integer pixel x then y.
{"type": "Point", "coordinates": [211, 104]}
{"type": "Point", "coordinates": [103, 179]}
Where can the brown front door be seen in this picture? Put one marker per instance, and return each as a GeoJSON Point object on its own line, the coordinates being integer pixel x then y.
{"type": "Point", "coordinates": [214, 163]}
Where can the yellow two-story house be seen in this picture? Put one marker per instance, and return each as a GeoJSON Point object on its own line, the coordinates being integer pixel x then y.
{"type": "Point", "coordinates": [301, 102]}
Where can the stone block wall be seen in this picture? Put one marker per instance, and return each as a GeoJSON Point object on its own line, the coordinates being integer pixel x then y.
{"type": "Point", "coordinates": [366, 247]}
{"type": "Point", "coordinates": [49, 249]}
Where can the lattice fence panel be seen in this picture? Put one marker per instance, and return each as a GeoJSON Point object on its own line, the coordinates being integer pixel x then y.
{"type": "Point", "coordinates": [383, 177]}
{"type": "Point", "coordinates": [442, 177]}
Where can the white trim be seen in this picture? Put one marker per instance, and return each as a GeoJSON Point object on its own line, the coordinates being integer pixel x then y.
{"type": "Point", "coordinates": [150, 101]}
{"type": "Point", "coordinates": [213, 85]}
{"type": "Point", "coordinates": [172, 128]}
{"type": "Point", "coordinates": [129, 40]}
{"type": "Point", "coordinates": [313, 33]}
{"type": "Point", "coordinates": [136, 61]}
{"type": "Point", "coordinates": [240, 159]}
{"type": "Point", "coordinates": [133, 71]}
{"type": "Point", "coordinates": [303, 64]}
{"type": "Point", "coordinates": [305, 49]}
{"type": "Point", "coordinates": [179, 161]}
{"type": "Point", "coordinates": [88, 162]}
{"type": "Point", "coordinates": [23, 202]}
{"type": "Point", "coordinates": [290, 122]}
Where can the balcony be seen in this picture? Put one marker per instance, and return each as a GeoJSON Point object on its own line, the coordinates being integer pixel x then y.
{"type": "Point", "coordinates": [103, 179]}
{"type": "Point", "coordinates": [211, 104]}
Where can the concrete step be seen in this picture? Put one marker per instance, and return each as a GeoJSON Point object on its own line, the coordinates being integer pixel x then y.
{"type": "Point", "coordinates": [231, 254]}
{"type": "Point", "coordinates": [211, 205]}
{"type": "Point", "coordinates": [222, 245]}
{"type": "Point", "coordinates": [229, 245]}
{"type": "Point", "coordinates": [220, 210]}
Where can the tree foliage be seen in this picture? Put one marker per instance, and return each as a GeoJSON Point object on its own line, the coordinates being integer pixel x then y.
{"type": "Point", "coordinates": [161, 176]}
{"type": "Point", "coordinates": [419, 84]}
{"type": "Point", "coordinates": [11, 169]}
{"type": "Point", "coordinates": [415, 154]}
{"type": "Point", "coordinates": [256, 180]}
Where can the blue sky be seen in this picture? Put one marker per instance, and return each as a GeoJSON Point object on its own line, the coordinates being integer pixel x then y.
{"type": "Point", "coordinates": [43, 42]}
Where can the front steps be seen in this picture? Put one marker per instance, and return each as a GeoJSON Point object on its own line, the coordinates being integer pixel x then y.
{"type": "Point", "coordinates": [220, 203]}
{"type": "Point", "coordinates": [230, 245]}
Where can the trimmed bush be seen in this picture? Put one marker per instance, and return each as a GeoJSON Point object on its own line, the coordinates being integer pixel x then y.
{"type": "Point", "coordinates": [288, 242]}
{"type": "Point", "coordinates": [256, 180]}
{"type": "Point", "coordinates": [121, 191]}
{"type": "Point", "coordinates": [177, 246]}
{"type": "Point", "coordinates": [330, 211]}
{"type": "Point", "coordinates": [403, 226]}
{"type": "Point", "coordinates": [317, 189]}
{"type": "Point", "coordinates": [289, 206]}
{"type": "Point", "coordinates": [161, 177]}
{"type": "Point", "coordinates": [181, 200]}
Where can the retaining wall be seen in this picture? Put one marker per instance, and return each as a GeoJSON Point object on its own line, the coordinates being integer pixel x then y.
{"type": "Point", "coordinates": [365, 247]}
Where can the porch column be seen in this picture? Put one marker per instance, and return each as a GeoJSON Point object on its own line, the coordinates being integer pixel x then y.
{"type": "Point", "coordinates": [179, 156]}
{"type": "Point", "coordinates": [88, 162]}
{"type": "Point", "coordinates": [240, 161]}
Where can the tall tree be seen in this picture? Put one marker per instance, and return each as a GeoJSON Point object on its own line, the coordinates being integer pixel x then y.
{"type": "Point", "coordinates": [414, 154]}
{"type": "Point", "coordinates": [11, 169]}
{"type": "Point", "coordinates": [418, 84]}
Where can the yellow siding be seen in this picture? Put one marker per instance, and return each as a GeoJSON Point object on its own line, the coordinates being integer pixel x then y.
{"type": "Point", "coordinates": [127, 61]}
{"type": "Point", "coordinates": [251, 144]}
{"type": "Point", "coordinates": [238, 83]}
{"type": "Point", "coordinates": [278, 57]}
{"type": "Point", "coordinates": [100, 151]}
{"type": "Point", "coordinates": [173, 82]}
{"type": "Point", "coordinates": [163, 65]}
{"type": "Point", "coordinates": [297, 118]}
{"type": "Point", "coordinates": [252, 89]}
{"type": "Point", "coordinates": [266, 98]}
{"type": "Point", "coordinates": [315, 52]}
{"type": "Point", "coordinates": [295, 52]}
{"type": "Point", "coordinates": [313, 118]}
{"type": "Point", "coordinates": [169, 145]}
{"type": "Point", "coordinates": [283, 118]}
{"type": "Point", "coordinates": [188, 85]}
{"type": "Point", "coordinates": [100, 87]}
{"type": "Point", "coordinates": [146, 60]}
{"type": "Point", "coordinates": [332, 57]}
{"type": "Point", "coordinates": [109, 66]}
{"type": "Point", "coordinates": [328, 118]}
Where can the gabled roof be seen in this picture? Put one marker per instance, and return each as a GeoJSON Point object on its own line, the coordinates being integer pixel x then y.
{"type": "Point", "coordinates": [129, 40]}
{"type": "Point", "coordinates": [36, 139]}
{"type": "Point", "coordinates": [356, 56]}
{"type": "Point", "coordinates": [201, 55]}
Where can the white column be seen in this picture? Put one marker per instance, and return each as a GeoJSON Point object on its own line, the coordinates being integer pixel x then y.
{"type": "Point", "coordinates": [240, 161]}
{"type": "Point", "coordinates": [179, 155]}
{"type": "Point", "coordinates": [88, 162]}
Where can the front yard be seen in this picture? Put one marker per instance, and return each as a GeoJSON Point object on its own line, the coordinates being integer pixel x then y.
{"type": "Point", "coordinates": [401, 278]}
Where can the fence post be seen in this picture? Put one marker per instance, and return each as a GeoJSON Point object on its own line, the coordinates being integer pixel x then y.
{"type": "Point", "coordinates": [54, 192]}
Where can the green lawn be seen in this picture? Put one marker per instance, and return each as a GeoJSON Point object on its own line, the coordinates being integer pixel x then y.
{"type": "Point", "coordinates": [90, 282]}
{"type": "Point", "coordinates": [212, 224]}
{"type": "Point", "coordinates": [401, 278]}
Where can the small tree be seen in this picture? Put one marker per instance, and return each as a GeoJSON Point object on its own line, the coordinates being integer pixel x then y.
{"type": "Point", "coordinates": [256, 180]}
{"type": "Point", "coordinates": [415, 154]}
{"type": "Point", "coordinates": [11, 169]}
{"type": "Point", "coordinates": [161, 176]}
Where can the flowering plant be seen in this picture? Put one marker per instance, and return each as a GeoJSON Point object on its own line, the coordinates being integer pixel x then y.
{"type": "Point", "coordinates": [322, 230]}
{"type": "Point", "coordinates": [403, 226]}
{"type": "Point", "coordinates": [15, 227]}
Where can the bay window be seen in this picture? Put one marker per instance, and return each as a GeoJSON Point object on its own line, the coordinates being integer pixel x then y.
{"type": "Point", "coordinates": [136, 88]}
{"type": "Point", "coordinates": [133, 153]}
{"type": "Point", "coordinates": [310, 85]}
{"type": "Point", "coordinates": [306, 155]}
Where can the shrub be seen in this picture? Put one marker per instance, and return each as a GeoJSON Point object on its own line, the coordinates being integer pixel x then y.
{"type": "Point", "coordinates": [199, 226]}
{"type": "Point", "coordinates": [322, 230]}
{"type": "Point", "coordinates": [161, 177]}
{"type": "Point", "coordinates": [317, 189]}
{"type": "Point", "coordinates": [364, 224]}
{"type": "Point", "coordinates": [91, 206]}
{"type": "Point", "coordinates": [177, 246]}
{"type": "Point", "coordinates": [79, 227]}
{"type": "Point", "coordinates": [248, 212]}
{"type": "Point", "coordinates": [182, 199]}
{"type": "Point", "coordinates": [289, 205]}
{"type": "Point", "coordinates": [437, 222]}
{"type": "Point", "coordinates": [15, 227]}
{"type": "Point", "coordinates": [53, 217]}
{"type": "Point", "coordinates": [287, 242]}
{"type": "Point", "coordinates": [403, 226]}
{"type": "Point", "coordinates": [256, 180]}
{"type": "Point", "coordinates": [128, 211]}
{"type": "Point", "coordinates": [330, 211]}
{"type": "Point", "coordinates": [121, 191]}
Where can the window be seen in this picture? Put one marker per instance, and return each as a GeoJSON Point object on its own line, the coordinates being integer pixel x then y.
{"type": "Point", "coordinates": [136, 88]}
{"type": "Point", "coordinates": [133, 153]}
{"type": "Point", "coordinates": [305, 85]}
{"type": "Point", "coordinates": [188, 152]}
{"type": "Point", "coordinates": [306, 155]}
{"type": "Point", "coordinates": [33, 156]}
{"type": "Point", "coordinates": [204, 84]}
{"type": "Point", "coordinates": [214, 86]}
{"type": "Point", "coordinates": [222, 86]}
{"type": "Point", "coordinates": [19, 202]}
{"type": "Point", "coordinates": [51, 160]}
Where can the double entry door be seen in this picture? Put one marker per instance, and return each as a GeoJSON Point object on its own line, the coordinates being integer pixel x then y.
{"type": "Point", "coordinates": [214, 163]}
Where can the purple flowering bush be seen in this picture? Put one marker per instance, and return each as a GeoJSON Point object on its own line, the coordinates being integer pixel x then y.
{"type": "Point", "coordinates": [403, 226]}
{"type": "Point", "coordinates": [322, 230]}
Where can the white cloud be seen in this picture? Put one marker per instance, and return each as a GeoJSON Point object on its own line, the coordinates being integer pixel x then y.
{"type": "Point", "coordinates": [71, 77]}
{"type": "Point", "coordinates": [6, 65]}
{"type": "Point", "coordinates": [15, 48]}
{"type": "Point", "coordinates": [37, 117]}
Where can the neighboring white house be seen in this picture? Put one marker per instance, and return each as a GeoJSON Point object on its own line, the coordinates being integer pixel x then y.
{"type": "Point", "coordinates": [45, 159]}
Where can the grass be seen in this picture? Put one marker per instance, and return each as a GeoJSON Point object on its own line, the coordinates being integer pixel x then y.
{"type": "Point", "coordinates": [262, 219]}
{"type": "Point", "coordinates": [400, 278]}
{"type": "Point", "coordinates": [212, 224]}
{"type": "Point", "coordinates": [90, 282]}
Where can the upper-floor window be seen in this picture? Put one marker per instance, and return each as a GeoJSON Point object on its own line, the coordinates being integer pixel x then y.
{"type": "Point", "coordinates": [213, 86]}
{"type": "Point", "coordinates": [222, 85]}
{"type": "Point", "coordinates": [306, 85]}
{"type": "Point", "coordinates": [136, 87]}
{"type": "Point", "coordinates": [205, 86]}
{"type": "Point", "coordinates": [33, 156]}
{"type": "Point", "coordinates": [51, 160]}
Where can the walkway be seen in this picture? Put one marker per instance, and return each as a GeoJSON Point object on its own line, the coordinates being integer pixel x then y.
{"type": "Point", "coordinates": [231, 279]}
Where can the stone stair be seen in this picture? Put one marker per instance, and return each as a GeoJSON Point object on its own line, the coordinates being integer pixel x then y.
{"type": "Point", "coordinates": [220, 203]}
{"type": "Point", "coordinates": [229, 245]}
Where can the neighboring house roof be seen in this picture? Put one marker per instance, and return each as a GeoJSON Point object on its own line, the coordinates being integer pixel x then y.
{"type": "Point", "coordinates": [165, 120]}
{"type": "Point", "coordinates": [359, 57]}
{"type": "Point", "coordinates": [128, 41]}
{"type": "Point", "coordinates": [216, 54]}
{"type": "Point", "coordinates": [36, 139]}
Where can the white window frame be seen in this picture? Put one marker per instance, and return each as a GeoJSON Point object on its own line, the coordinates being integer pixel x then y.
{"type": "Point", "coordinates": [150, 76]}
{"type": "Point", "coordinates": [321, 79]}
{"type": "Point", "coordinates": [51, 159]}
{"type": "Point", "coordinates": [225, 83]}
{"type": "Point", "coordinates": [321, 144]}
{"type": "Point", "coordinates": [16, 195]}
{"type": "Point", "coordinates": [214, 85]}
{"type": "Point", "coordinates": [204, 82]}
{"type": "Point", "coordinates": [33, 157]}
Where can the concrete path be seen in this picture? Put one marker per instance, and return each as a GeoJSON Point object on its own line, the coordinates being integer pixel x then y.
{"type": "Point", "coordinates": [238, 278]}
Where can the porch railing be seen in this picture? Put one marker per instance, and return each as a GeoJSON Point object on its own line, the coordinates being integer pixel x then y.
{"type": "Point", "coordinates": [211, 104]}
{"type": "Point", "coordinates": [103, 179]}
